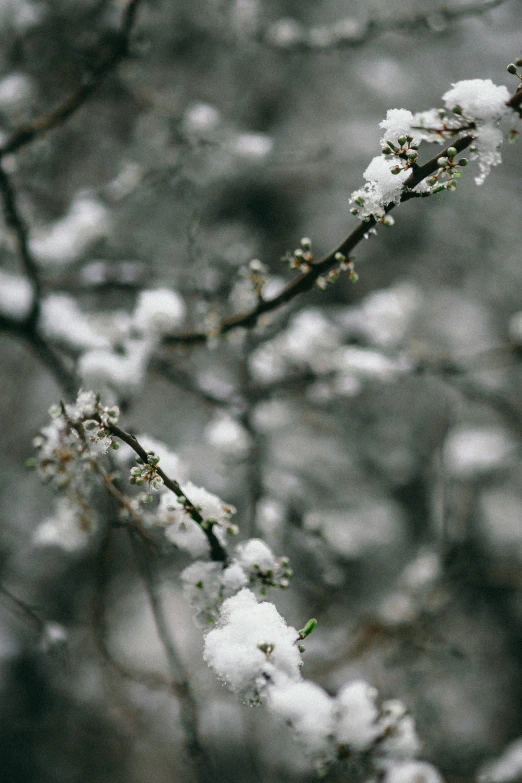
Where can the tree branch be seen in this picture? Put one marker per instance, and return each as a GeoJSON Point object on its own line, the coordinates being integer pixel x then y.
{"type": "Point", "coordinates": [46, 122]}
{"type": "Point", "coordinates": [189, 717]}
{"type": "Point", "coordinates": [217, 552]}
{"type": "Point", "coordinates": [306, 281]}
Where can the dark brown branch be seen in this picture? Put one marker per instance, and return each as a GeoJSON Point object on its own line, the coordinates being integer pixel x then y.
{"type": "Point", "coordinates": [16, 225]}
{"type": "Point", "coordinates": [108, 61]}
{"type": "Point", "coordinates": [306, 281]}
{"type": "Point", "coordinates": [217, 551]}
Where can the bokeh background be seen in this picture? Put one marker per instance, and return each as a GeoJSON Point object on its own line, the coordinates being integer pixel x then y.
{"type": "Point", "coordinates": [229, 134]}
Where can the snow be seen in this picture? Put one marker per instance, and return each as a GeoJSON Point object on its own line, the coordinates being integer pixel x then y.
{"type": "Point", "coordinates": [227, 435]}
{"type": "Point", "coordinates": [479, 99]}
{"type": "Point", "coordinates": [398, 123]}
{"type": "Point", "coordinates": [398, 727]}
{"type": "Point", "coordinates": [102, 369]}
{"type": "Point", "coordinates": [16, 89]}
{"type": "Point", "coordinates": [252, 647]}
{"type": "Point", "coordinates": [200, 118]}
{"type": "Point", "coordinates": [158, 311]}
{"type": "Point", "coordinates": [357, 716]}
{"type": "Point", "coordinates": [412, 772]}
{"type": "Point", "coordinates": [69, 238]}
{"type": "Point", "coordinates": [62, 320]}
{"type": "Point", "coordinates": [255, 552]}
{"type": "Point", "coordinates": [68, 529]}
{"type": "Point", "coordinates": [252, 146]}
{"type": "Point", "coordinates": [309, 710]}
{"type": "Point", "coordinates": [474, 451]}
{"type": "Point", "coordinates": [382, 187]}
{"type": "Point", "coordinates": [15, 296]}
{"type": "Point", "coordinates": [210, 506]}
{"type": "Point", "coordinates": [505, 769]}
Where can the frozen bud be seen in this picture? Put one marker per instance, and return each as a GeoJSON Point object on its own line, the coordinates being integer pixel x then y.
{"type": "Point", "coordinates": [451, 152]}
{"type": "Point", "coordinates": [463, 162]}
{"type": "Point", "coordinates": [306, 243]}
{"type": "Point", "coordinates": [457, 110]}
{"type": "Point", "coordinates": [413, 155]}
{"type": "Point", "coordinates": [387, 151]}
{"type": "Point", "coordinates": [340, 257]}
{"type": "Point", "coordinates": [452, 185]}
{"type": "Point", "coordinates": [388, 221]}
{"type": "Point", "coordinates": [512, 68]}
{"type": "Point", "coordinates": [402, 140]}
{"type": "Point", "coordinates": [442, 162]}
{"type": "Point", "coordinates": [396, 170]}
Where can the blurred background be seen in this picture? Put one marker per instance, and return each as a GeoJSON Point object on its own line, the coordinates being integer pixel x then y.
{"type": "Point", "coordinates": [371, 431]}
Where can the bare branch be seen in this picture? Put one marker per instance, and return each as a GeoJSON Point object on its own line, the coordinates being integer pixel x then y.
{"type": "Point", "coordinates": [189, 717]}
{"type": "Point", "coordinates": [18, 229]}
{"type": "Point", "coordinates": [352, 35]}
{"type": "Point", "coordinates": [108, 61]}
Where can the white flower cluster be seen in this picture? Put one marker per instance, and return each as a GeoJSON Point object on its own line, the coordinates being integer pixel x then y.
{"type": "Point", "coordinates": [473, 106]}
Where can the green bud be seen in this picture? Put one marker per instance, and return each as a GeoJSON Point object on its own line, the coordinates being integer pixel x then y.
{"type": "Point", "coordinates": [457, 110]}
{"type": "Point", "coordinates": [412, 155]}
{"type": "Point", "coordinates": [402, 140]}
{"type": "Point", "coordinates": [301, 648]}
{"type": "Point", "coordinates": [463, 162]}
{"type": "Point", "coordinates": [308, 628]}
{"type": "Point", "coordinates": [387, 151]}
{"type": "Point", "coordinates": [354, 211]}
{"type": "Point", "coordinates": [115, 446]}
{"type": "Point", "coordinates": [31, 462]}
{"type": "Point", "coordinates": [199, 584]}
{"type": "Point", "coordinates": [390, 144]}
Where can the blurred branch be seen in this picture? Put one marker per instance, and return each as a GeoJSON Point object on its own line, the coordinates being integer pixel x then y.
{"type": "Point", "coordinates": [118, 51]}
{"type": "Point", "coordinates": [348, 33]}
{"type": "Point", "coordinates": [189, 716]}
{"type": "Point", "coordinates": [18, 229]}
{"type": "Point", "coordinates": [23, 608]}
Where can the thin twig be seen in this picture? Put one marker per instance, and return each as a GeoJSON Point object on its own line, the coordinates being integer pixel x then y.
{"type": "Point", "coordinates": [18, 228]}
{"type": "Point", "coordinates": [188, 706]}
{"type": "Point", "coordinates": [46, 122]}
{"type": "Point", "coordinates": [306, 281]}
{"type": "Point", "coordinates": [217, 551]}
{"type": "Point", "coordinates": [333, 37]}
